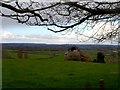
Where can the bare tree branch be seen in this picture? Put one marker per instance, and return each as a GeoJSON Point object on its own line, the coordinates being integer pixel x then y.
{"type": "Point", "coordinates": [68, 15]}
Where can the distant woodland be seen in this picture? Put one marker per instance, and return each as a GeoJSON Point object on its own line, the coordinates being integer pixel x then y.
{"type": "Point", "coordinates": [55, 47]}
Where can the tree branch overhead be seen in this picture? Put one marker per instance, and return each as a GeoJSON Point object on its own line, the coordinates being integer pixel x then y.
{"type": "Point", "coordinates": [64, 15]}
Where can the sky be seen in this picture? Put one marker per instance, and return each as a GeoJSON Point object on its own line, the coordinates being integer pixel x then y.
{"type": "Point", "coordinates": [13, 32]}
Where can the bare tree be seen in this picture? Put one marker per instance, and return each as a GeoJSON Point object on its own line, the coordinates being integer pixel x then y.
{"type": "Point", "coordinates": [67, 16]}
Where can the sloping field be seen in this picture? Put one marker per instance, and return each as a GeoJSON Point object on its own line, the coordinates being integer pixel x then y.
{"type": "Point", "coordinates": [37, 71]}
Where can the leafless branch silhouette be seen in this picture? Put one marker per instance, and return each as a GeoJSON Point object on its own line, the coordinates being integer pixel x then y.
{"type": "Point", "coordinates": [68, 15]}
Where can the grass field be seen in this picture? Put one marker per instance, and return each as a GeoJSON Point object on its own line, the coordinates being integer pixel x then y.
{"type": "Point", "coordinates": [45, 69]}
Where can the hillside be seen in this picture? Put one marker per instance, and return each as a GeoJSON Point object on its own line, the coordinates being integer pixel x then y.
{"type": "Point", "coordinates": [57, 47]}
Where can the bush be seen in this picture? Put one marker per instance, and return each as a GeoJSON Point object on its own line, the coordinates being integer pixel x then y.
{"type": "Point", "coordinates": [100, 57]}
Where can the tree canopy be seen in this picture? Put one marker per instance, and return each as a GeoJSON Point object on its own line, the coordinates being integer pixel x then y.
{"type": "Point", "coordinates": [67, 16]}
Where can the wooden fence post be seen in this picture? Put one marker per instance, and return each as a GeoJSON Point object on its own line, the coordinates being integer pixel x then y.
{"type": "Point", "coordinates": [25, 54]}
{"type": "Point", "coordinates": [19, 54]}
{"type": "Point", "coordinates": [101, 83]}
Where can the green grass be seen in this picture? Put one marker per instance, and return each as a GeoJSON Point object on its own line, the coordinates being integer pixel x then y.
{"type": "Point", "coordinates": [56, 72]}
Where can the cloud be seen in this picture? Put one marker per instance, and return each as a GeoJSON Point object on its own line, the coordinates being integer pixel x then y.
{"type": "Point", "coordinates": [104, 28]}
{"type": "Point", "coordinates": [6, 34]}
{"type": "Point", "coordinates": [38, 38]}
{"type": "Point", "coordinates": [9, 22]}
{"type": "Point", "coordinates": [16, 33]}
{"type": "Point", "coordinates": [13, 32]}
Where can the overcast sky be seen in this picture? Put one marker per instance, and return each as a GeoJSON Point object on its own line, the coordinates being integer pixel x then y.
{"type": "Point", "coordinates": [13, 32]}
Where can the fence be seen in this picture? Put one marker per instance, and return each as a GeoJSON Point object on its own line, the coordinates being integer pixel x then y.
{"type": "Point", "coordinates": [22, 54]}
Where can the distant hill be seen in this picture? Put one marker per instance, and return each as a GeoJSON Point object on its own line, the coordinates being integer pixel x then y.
{"type": "Point", "coordinates": [63, 47]}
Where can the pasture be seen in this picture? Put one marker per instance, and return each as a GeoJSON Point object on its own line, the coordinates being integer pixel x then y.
{"type": "Point", "coordinates": [48, 69]}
